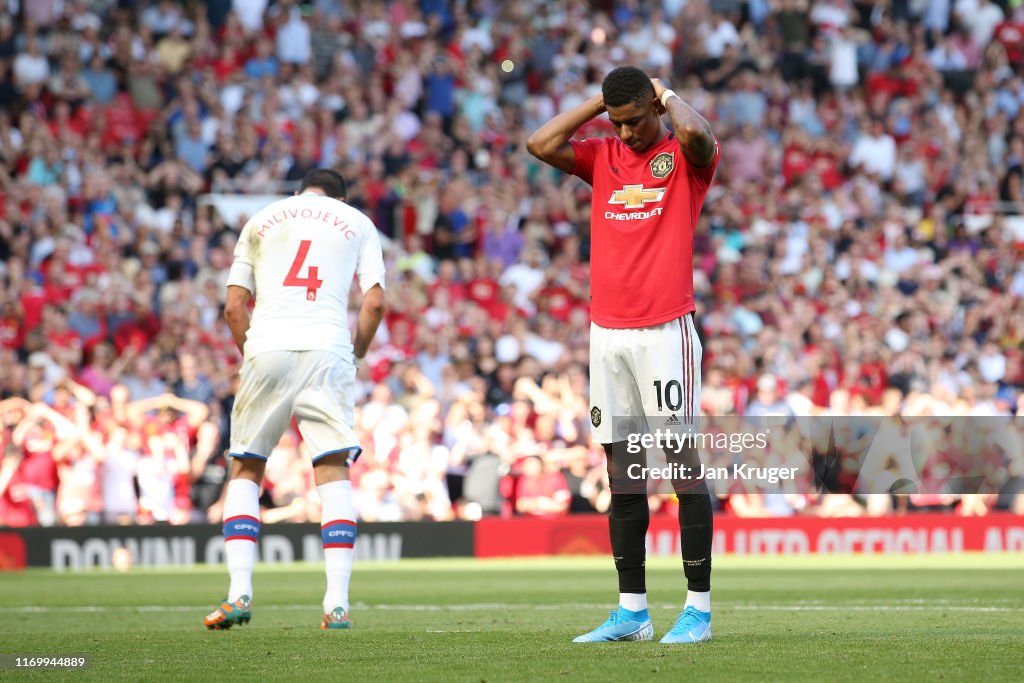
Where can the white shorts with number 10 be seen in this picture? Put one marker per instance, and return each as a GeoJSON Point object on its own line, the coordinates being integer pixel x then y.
{"type": "Point", "coordinates": [649, 371]}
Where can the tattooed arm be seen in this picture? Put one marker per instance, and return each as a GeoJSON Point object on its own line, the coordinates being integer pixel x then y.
{"type": "Point", "coordinates": [692, 130]}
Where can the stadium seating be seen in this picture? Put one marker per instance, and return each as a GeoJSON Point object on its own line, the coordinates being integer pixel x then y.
{"type": "Point", "coordinates": [862, 236]}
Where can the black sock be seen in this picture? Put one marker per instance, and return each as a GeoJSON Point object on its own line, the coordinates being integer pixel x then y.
{"type": "Point", "coordinates": [627, 525]}
{"type": "Point", "coordinates": [696, 527]}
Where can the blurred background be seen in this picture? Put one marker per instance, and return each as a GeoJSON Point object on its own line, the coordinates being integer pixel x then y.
{"type": "Point", "coordinates": [860, 252]}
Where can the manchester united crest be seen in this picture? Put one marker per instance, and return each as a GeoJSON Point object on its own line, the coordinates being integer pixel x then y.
{"type": "Point", "coordinates": [662, 165]}
{"type": "Point", "coordinates": [595, 416]}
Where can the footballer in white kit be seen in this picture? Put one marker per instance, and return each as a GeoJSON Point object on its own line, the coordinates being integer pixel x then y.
{"type": "Point", "coordinates": [299, 257]}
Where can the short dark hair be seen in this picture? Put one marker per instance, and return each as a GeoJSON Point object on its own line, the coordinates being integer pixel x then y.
{"type": "Point", "coordinates": [331, 182]}
{"type": "Point", "coordinates": [625, 85]}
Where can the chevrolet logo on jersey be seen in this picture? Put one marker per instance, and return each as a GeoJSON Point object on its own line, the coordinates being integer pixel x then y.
{"type": "Point", "coordinates": [635, 196]}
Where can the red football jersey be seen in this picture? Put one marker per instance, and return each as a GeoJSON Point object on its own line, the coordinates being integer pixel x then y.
{"type": "Point", "coordinates": [644, 210]}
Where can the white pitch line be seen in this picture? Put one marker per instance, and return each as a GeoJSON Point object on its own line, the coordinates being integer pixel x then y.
{"type": "Point", "coordinates": [896, 606]}
{"type": "Point", "coordinates": [876, 608]}
{"type": "Point", "coordinates": [455, 607]}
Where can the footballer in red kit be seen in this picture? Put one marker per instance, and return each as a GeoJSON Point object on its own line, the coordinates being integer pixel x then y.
{"type": "Point", "coordinates": [649, 184]}
{"type": "Point", "coordinates": [644, 209]}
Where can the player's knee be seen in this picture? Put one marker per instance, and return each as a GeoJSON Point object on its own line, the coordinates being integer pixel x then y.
{"type": "Point", "coordinates": [248, 468]}
{"type": "Point", "coordinates": [626, 471]}
{"type": "Point", "coordinates": [630, 506]}
{"type": "Point", "coordinates": [689, 487]}
{"type": "Point", "coordinates": [686, 460]}
{"type": "Point", "coordinates": [331, 468]}
{"type": "Point", "coordinates": [683, 454]}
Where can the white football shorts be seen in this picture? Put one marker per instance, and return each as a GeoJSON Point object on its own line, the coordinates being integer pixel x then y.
{"type": "Point", "coordinates": [644, 372]}
{"type": "Point", "coordinates": [316, 387]}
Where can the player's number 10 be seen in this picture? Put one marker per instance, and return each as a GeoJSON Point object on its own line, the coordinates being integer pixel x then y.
{"type": "Point", "coordinates": [672, 387]}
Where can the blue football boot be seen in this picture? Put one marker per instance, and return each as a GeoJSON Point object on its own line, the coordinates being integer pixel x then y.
{"type": "Point", "coordinates": [621, 625]}
{"type": "Point", "coordinates": [692, 626]}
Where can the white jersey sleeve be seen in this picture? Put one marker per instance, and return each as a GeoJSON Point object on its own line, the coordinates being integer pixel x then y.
{"type": "Point", "coordinates": [300, 256]}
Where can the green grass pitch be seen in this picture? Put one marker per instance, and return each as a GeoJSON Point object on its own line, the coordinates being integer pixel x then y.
{"type": "Point", "coordinates": [846, 618]}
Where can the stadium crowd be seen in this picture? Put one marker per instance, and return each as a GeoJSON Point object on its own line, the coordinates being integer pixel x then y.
{"type": "Point", "coordinates": [857, 255]}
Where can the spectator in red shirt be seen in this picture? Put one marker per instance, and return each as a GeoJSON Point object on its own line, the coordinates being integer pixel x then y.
{"type": "Point", "coordinates": [541, 491]}
{"type": "Point", "coordinates": [12, 325]}
{"type": "Point", "coordinates": [481, 288]}
{"type": "Point", "coordinates": [16, 508]}
{"type": "Point", "coordinates": [43, 436]}
{"type": "Point", "coordinates": [446, 280]}
{"type": "Point", "coordinates": [553, 297]}
{"type": "Point", "coordinates": [173, 415]}
{"type": "Point", "coordinates": [1010, 34]}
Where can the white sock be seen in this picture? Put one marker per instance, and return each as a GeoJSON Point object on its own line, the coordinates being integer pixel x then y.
{"type": "Point", "coordinates": [634, 602]}
{"type": "Point", "coordinates": [338, 528]}
{"type": "Point", "coordinates": [241, 532]}
{"type": "Point", "coordinates": [701, 601]}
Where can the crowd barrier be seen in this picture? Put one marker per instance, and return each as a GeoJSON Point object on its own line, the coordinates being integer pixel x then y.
{"type": "Point", "coordinates": [64, 548]}
{"type": "Point", "coordinates": [919, 533]}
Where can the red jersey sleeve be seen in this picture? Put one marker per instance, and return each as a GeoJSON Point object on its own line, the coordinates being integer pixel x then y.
{"type": "Point", "coordinates": [586, 152]}
{"type": "Point", "coordinates": [701, 176]}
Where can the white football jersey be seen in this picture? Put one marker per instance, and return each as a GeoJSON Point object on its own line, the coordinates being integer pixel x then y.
{"type": "Point", "coordinates": [298, 257]}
